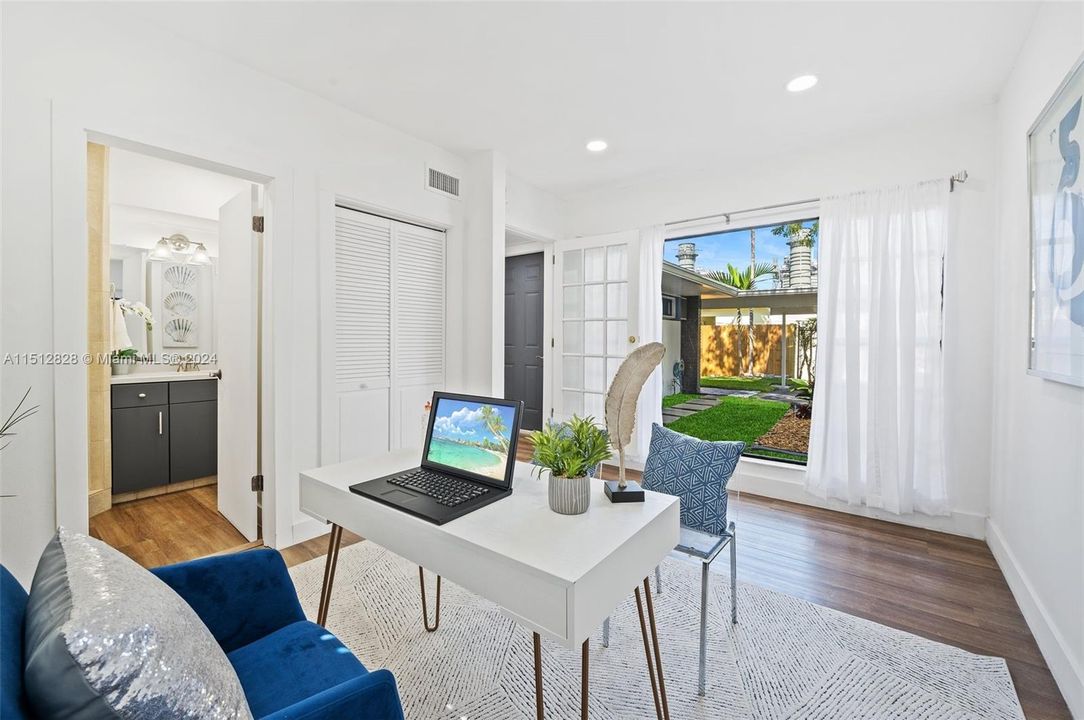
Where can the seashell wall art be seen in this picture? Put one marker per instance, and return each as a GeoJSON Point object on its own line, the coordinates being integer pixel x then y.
{"type": "Point", "coordinates": [180, 331]}
{"type": "Point", "coordinates": [181, 286]}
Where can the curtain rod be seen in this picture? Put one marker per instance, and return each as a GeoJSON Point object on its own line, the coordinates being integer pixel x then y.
{"type": "Point", "coordinates": [960, 177]}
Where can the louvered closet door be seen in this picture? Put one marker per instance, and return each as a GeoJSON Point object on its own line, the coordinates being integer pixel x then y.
{"type": "Point", "coordinates": [363, 332]}
{"type": "Point", "coordinates": [418, 321]}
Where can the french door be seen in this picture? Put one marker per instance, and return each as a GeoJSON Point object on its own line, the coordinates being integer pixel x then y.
{"type": "Point", "coordinates": [595, 303]}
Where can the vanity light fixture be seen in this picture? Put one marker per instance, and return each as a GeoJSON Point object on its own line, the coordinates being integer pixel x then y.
{"type": "Point", "coordinates": [200, 256]}
{"type": "Point", "coordinates": [178, 248]}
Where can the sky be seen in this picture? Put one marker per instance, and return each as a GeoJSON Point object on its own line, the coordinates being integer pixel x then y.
{"type": "Point", "coordinates": [733, 247]}
{"type": "Point", "coordinates": [461, 420]}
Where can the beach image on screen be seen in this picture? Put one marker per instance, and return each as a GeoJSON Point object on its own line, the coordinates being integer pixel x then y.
{"type": "Point", "coordinates": [471, 436]}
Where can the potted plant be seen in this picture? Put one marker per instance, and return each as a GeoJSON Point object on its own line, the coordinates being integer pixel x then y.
{"type": "Point", "coordinates": [123, 360]}
{"type": "Point", "coordinates": [571, 452]}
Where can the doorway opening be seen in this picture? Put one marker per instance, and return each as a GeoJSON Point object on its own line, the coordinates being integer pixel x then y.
{"type": "Point", "coordinates": [175, 286]}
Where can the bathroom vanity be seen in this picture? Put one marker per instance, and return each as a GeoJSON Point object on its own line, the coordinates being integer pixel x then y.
{"type": "Point", "coordinates": [164, 432]}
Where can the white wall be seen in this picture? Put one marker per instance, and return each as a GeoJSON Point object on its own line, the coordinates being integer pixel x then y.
{"type": "Point", "coordinates": [533, 212]}
{"type": "Point", "coordinates": [1036, 526]}
{"type": "Point", "coordinates": [909, 152]}
{"type": "Point", "coordinates": [68, 69]}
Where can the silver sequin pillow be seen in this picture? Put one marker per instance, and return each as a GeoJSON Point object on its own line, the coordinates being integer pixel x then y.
{"type": "Point", "coordinates": [107, 639]}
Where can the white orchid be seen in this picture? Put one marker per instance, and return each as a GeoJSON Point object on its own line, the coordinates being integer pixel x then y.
{"type": "Point", "coordinates": [137, 308]}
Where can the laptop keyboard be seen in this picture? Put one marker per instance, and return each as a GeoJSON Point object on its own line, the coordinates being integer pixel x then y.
{"type": "Point", "coordinates": [445, 489]}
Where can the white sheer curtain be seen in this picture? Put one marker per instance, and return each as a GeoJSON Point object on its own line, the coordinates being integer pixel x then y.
{"type": "Point", "coordinates": [878, 410]}
{"type": "Point", "coordinates": [649, 316]}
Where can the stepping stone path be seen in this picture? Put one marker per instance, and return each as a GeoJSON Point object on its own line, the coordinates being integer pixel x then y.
{"type": "Point", "coordinates": [709, 397]}
{"type": "Point", "coordinates": [689, 407]}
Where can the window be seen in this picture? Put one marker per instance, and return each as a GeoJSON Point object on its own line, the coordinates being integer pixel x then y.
{"type": "Point", "coordinates": [757, 331]}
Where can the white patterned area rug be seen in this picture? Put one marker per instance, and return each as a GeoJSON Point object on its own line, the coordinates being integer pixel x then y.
{"type": "Point", "coordinates": [786, 658]}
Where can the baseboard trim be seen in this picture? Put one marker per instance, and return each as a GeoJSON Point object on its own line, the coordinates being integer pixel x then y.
{"type": "Point", "coordinates": [307, 529]}
{"type": "Point", "coordinates": [783, 481]}
{"type": "Point", "coordinates": [1052, 644]}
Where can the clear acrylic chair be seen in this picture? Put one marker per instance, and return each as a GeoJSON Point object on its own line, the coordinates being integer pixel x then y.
{"type": "Point", "coordinates": [697, 471]}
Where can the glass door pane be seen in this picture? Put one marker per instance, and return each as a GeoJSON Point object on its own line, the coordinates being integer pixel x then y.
{"type": "Point", "coordinates": [595, 308]}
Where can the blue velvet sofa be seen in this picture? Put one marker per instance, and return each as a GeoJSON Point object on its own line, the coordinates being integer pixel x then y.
{"type": "Point", "coordinates": [288, 667]}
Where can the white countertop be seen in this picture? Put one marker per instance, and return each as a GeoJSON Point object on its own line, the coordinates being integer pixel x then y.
{"type": "Point", "coordinates": [160, 376]}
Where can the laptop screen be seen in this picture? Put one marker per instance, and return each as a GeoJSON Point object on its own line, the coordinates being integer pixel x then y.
{"type": "Point", "coordinates": [473, 436]}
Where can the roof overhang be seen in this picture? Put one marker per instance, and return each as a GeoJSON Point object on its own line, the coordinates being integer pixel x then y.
{"type": "Point", "coordinates": [777, 301]}
{"type": "Point", "coordinates": [678, 281]}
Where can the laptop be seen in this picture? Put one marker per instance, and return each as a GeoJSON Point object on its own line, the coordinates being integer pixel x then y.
{"type": "Point", "coordinates": [467, 462]}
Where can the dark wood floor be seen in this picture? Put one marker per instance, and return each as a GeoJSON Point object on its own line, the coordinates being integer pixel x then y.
{"type": "Point", "coordinates": [942, 587]}
{"type": "Point", "coordinates": [168, 528]}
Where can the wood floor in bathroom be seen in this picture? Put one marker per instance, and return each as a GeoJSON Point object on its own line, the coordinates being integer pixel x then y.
{"type": "Point", "coordinates": [167, 528]}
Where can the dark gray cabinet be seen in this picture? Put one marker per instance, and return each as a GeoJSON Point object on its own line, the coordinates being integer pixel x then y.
{"type": "Point", "coordinates": [193, 440]}
{"type": "Point", "coordinates": [140, 447]}
{"type": "Point", "coordinates": [164, 432]}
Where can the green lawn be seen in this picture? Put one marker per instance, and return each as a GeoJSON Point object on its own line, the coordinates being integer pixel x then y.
{"type": "Point", "coordinates": [765, 383]}
{"type": "Point", "coordinates": [672, 400]}
{"type": "Point", "coordinates": [734, 418]}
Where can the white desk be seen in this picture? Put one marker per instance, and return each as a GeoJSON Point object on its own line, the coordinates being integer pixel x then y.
{"type": "Point", "coordinates": [557, 575]}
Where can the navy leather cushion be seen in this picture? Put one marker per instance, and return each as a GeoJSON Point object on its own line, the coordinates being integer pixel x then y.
{"type": "Point", "coordinates": [695, 470]}
{"type": "Point", "coordinates": [291, 665]}
{"type": "Point", "coordinates": [13, 700]}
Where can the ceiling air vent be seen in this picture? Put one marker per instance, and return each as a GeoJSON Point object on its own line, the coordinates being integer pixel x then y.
{"type": "Point", "coordinates": [442, 183]}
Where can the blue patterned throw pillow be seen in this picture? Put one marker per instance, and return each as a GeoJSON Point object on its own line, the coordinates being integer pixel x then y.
{"type": "Point", "coordinates": [697, 471]}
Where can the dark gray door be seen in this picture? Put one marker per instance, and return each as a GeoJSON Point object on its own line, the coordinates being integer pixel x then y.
{"type": "Point", "coordinates": [523, 341]}
{"type": "Point", "coordinates": [140, 448]}
{"type": "Point", "coordinates": [193, 439]}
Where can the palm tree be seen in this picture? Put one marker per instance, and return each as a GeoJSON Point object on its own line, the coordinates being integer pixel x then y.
{"type": "Point", "coordinates": [794, 229]}
{"type": "Point", "coordinates": [743, 280]}
{"type": "Point", "coordinates": [494, 423]}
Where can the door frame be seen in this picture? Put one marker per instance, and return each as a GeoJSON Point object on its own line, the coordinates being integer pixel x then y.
{"type": "Point", "coordinates": [537, 243]}
{"type": "Point", "coordinates": [71, 131]}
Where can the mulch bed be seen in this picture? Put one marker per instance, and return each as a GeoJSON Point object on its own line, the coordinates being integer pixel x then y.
{"type": "Point", "coordinates": [790, 433]}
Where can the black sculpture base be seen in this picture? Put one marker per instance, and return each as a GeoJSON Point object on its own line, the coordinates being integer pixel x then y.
{"type": "Point", "coordinates": [632, 492]}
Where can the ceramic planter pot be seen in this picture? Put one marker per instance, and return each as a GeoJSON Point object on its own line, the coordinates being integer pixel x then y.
{"type": "Point", "coordinates": [122, 368]}
{"type": "Point", "coordinates": [569, 496]}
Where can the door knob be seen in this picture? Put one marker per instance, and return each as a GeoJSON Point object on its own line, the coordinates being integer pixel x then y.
{"type": "Point", "coordinates": [632, 338]}
{"type": "Point", "coordinates": [142, 395]}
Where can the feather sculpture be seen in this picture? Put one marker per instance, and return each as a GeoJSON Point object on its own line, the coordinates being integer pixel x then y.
{"type": "Point", "coordinates": [622, 396]}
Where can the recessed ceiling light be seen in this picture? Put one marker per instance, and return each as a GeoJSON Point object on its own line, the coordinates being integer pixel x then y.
{"type": "Point", "coordinates": [802, 82]}
{"type": "Point", "coordinates": [597, 145]}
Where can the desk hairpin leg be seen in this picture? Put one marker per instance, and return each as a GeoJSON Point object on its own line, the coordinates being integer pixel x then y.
{"type": "Point", "coordinates": [334, 541]}
{"type": "Point", "coordinates": [658, 687]}
{"type": "Point", "coordinates": [425, 611]}
{"type": "Point", "coordinates": [584, 676]}
{"type": "Point", "coordinates": [658, 655]}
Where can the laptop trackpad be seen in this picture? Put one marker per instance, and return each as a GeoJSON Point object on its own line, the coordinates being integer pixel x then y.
{"type": "Point", "coordinates": [398, 496]}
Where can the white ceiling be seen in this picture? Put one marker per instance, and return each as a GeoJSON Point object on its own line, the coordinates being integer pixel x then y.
{"type": "Point", "coordinates": [672, 87]}
{"type": "Point", "coordinates": [150, 198]}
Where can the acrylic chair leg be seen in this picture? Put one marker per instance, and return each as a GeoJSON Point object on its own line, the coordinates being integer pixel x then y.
{"type": "Point", "coordinates": [606, 633]}
{"type": "Point", "coordinates": [733, 575]}
{"type": "Point", "coordinates": [658, 579]}
{"type": "Point", "coordinates": [703, 628]}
